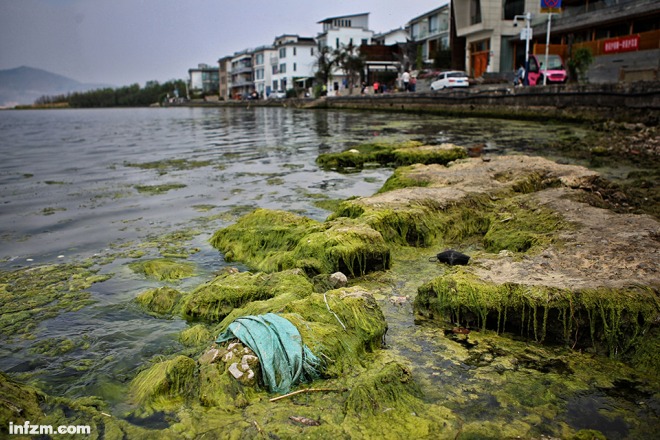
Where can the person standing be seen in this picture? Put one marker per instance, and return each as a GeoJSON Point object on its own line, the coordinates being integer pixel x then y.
{"type": "Point", "coordinates": [405, 78]}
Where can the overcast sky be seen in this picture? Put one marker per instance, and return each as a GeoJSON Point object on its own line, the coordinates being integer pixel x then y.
{"type": "Point", "coordinates": [122, 42]}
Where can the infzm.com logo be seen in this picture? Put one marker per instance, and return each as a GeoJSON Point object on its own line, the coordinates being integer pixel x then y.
{"type": "Point", "coordinates": [27, 428]}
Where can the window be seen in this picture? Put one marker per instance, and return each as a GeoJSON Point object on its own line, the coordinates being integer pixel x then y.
{"type": "Point", "coordinates": [259, 74]}
{"type": "Point", "coordinates": [475, 11]}
{"type": "Point", "coordinates": [294, 51]}
{"type": "Point", "coordinates": [365, 41]}
{"type": "Point", "coordinates": [433, 24]}
{"type": "Point", "coordinates": [337, 43]}
{"type": "Point", "coordinates": [513, 8]}
{"type": "Point", "coordinates": [312, 51]}
{"type": "Point", "coordinates": [414, 31]}
{"type": "Point", "coordinates": [275, 85]}
{"type": "Point", "coordinates": [275, 70]}
{"type": "Point", "coordinates": [259, 59]}
{"type": "Point", "coordinates": [282, 68]}
{"type": "Point", "coordinates": [294, 67]}
{"type": "Point", "coordinates": [283, 52]}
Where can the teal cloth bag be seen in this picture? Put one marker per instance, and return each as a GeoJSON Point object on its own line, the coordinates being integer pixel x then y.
{"type": "Point", "coordinates": [285, 360]}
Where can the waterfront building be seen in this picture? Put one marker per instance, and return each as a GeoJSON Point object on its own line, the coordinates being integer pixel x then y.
{"type": "Point", "coordinates": [242, 82]}
{"type": "Point", "coordinates": [203, 80]}
{"type": "Point", "coordinates": [224, 86]}
{"type": "Point", "coordinates": [623, 35]}
{"type": "Point", "coordinates": [341, 32]}
{"type": "Point", "coordinates": [431, 33]}
{"type": "Point", "coordinates": [395, 36]}
{"type": "Point", "coordinates": [292, 63]}
{"type": "Point", "coordinates": [263, 71]}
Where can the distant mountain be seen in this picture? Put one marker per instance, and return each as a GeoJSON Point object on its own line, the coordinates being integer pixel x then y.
{"type": "Point", "coordinates": [23, 85]}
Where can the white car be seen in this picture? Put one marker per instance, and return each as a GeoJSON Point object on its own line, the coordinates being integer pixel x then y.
{"type": "Point", "coordinates": [452, 78]}
{"type": "Point", "coordinates": [277, 94]}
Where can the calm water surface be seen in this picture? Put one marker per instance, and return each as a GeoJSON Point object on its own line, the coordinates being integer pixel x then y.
{"type": "Point", "coordinates": [69, 190]}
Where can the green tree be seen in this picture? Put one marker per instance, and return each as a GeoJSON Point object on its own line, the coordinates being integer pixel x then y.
{"type": "Point", "coordinates": [579, 63]}
{"type": "Point", "coordinates": [351, 62]}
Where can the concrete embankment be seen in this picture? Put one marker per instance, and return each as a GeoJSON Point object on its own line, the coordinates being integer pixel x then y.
{"type": "Point", "coordinates": [624, 102]}
{"type": "Point", "coordinates": [638, 102]}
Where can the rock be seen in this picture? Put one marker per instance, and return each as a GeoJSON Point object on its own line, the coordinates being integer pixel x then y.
{"type": "Point", "coordinates": [210, 356]}
{"type": "Point", "coordinates": [234, 371]}
{"type": "Point", "coordinates": [338, 279]}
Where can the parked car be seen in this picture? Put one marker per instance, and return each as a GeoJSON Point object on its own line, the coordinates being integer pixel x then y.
{"type": "Point", "coordinates": [453, 78]}
{"type": "Point", "coordinates": [277, 94]}
{"type": "Point", "coordinates": [555, 71]}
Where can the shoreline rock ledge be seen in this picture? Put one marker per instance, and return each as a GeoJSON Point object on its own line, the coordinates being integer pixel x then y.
{"type": "Point", "coordinates": [546, 263]}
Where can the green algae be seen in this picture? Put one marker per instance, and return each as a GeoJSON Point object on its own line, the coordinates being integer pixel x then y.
{"type": "Point", "coordinates": [163, 269]}
{"type": "Point", "coordinates": [164, 166]}
{"type": "Point", "coordinates": [165, 384]}
{"type": "Point", "coordinates": [31, 295]}
{"type": "Point", "coordinates": [214, 300]}
{"type": "Point", "coordinates": [158, 189]}
{"type": "Point", "coordinates": [195, 336]}
{"type": "Point", "coordinates": [383, 154]}
{"type": "Point", "coordinates": [160, 301]}
{"type": "Point", "coordinates": [612, 320]}
{"type": "Point", "coordinates": [276, 240]}
{"type": "Point", "coordinates": [401, 178]}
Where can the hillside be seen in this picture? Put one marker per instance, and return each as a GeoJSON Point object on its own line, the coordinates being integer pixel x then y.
{"type": "Point", "coordinates": [23, 85]}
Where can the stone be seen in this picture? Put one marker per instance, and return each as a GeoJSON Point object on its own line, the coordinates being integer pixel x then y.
{"type": "Point", "coordinates": [338, 279]}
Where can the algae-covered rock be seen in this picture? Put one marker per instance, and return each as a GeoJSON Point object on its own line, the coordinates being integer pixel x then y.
{"type": "Point", "coordinates": [164, 269]}
{"type": "Point", "coordinates": [275, 240]}
{"type": "Point", "coordinates": [162, 300]}
{"type": "Point", "coordinates": [426, 203]}
{"type": "Point", "coordinates": [217, 298]}
{"type": "Point", "coordinates": [406, 153]}
{"type": "Point", "coordinates": [19, 402]}
{"type": "Point", "coordinates": [195, 335]}
{"type": "Point", "coordinates": [386, 402]}
{"type": "Point", "coordinates": [166, 384]}
{"type": "Point", "coordinates": [614, 319]}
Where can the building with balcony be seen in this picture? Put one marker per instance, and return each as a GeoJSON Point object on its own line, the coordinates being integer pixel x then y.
{"type": "Point", "coordinates": [431, 32]}
{"type": "Point", "coordinates": [395, 36]}
{"type": "Point", "coordinates": [292, 62]}
{"type": "Point", "coordinates": [203, 80]}
{"type": "Point", "coordinates": [242, 81]}
{"type": "Point", "coordinates": [623, 35]}
{"type": "Point", "coordinates": [346, 31]}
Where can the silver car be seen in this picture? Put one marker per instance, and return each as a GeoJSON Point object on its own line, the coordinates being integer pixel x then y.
{"type": "Point", "coordinates": [453, 78]}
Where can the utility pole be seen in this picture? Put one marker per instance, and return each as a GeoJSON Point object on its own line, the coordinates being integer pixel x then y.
{"type": "Point", "coordinates": [527, 35]}
{"type": "Point", "coordinates": [547, 48]}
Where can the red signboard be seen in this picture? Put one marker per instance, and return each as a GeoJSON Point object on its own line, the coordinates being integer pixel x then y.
{"type": "Point", "coordinates": [621, 44]}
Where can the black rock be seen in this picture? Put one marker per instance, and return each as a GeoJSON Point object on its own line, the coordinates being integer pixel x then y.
{"type": "Point", "coordinates": [453, 258]}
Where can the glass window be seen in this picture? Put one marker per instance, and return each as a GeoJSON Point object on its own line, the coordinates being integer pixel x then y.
{"type": "Point", "coordinates": [259, 59]}
{"type": "Point", "coordinates": [282, 68]}
{"type": "Point", "coordinates": [475, 11]}
{"type": "Point", "coordinates": [513, 8]}
{"type": "Point", "coordinates": [294, 51]}
{"type": "Point", "coordinates": [433, 24]}
{"type": "Point", "coordinates": [294, 67]}
{"type": "Point", "coordinates": [283, 52]}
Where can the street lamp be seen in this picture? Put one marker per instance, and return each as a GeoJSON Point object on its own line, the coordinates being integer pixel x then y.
{"type": "Point", "coordinates": [527, 35]}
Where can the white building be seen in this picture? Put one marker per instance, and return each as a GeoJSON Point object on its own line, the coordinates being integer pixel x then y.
{"type": "Point", "coordinates": [242, 83]}
{"type": "Point", "coordinates": [389, 38]}
{"type": "Point", "coordinates": [292, 62]}
{"type": "Point", "coordinates": [204, 79]}
{"type": "Point", "coordinates": [263, 72]}
{"type": "Point", "coordinates": [431, 31]}
{"type": "Point", "coordinates": [343, 31]}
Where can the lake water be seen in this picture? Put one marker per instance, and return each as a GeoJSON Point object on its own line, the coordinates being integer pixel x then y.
{"type": "Point", "coordinates": [78, 184]}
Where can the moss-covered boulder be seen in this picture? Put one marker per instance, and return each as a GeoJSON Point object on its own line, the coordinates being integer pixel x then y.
{"type": "Point", "coordinates": [160, 301]}
{"type": "Point", "coordinates": [427, 203]}
{"type": "Point", "coordinates": [275, 240]}
{"type": "Point", "coordinates": [611, 319]}
{"type": "Point", "coordinates": [214, 300]}
{"type": "Point", "coordinates": [383, 154]}
{"type": "Point", "coordinates": [164, 269]}
{"type": "Point", "coordinates": [165, 384]}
